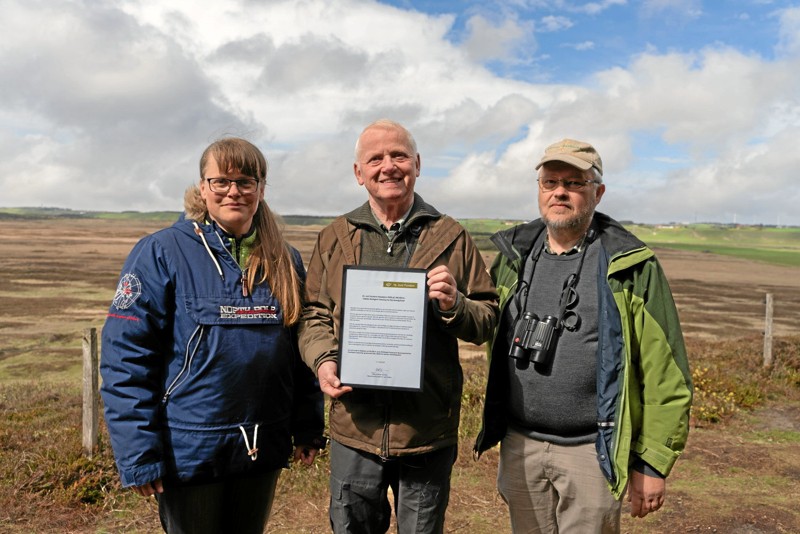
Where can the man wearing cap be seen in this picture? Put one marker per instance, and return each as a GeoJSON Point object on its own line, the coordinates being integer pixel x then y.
{"type": "Point", "coordinates": [589, 386]}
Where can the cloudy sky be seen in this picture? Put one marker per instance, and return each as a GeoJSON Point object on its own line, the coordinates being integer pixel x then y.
{"type": "Point", "coordinates": [694, 105]}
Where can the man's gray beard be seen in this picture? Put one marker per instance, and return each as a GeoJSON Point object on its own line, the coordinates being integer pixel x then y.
{"type": "Point", "coordinates": [579, 222]}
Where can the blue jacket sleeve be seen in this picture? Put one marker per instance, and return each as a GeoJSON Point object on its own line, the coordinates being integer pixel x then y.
{"type": "Point", "coordinates": [308, 420]}
{"type": "Point", "coordinates": [136, 338]}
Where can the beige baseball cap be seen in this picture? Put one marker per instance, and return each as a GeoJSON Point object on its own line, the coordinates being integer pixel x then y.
{"type": "Point", "coordinates": [576, 153]}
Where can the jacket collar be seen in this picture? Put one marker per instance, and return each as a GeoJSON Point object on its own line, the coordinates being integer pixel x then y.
{"type": "Point", "coordinates": [216, 237]}
{"type": "Point", "coordinates": [420, 210]}
{"type": "Point", "coordinates": [516, 243]}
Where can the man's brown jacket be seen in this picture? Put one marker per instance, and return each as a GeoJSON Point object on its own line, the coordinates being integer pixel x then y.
{"type": "Point", "coordinates": [397, 423]}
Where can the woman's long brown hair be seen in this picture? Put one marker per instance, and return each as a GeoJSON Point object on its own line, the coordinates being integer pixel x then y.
{"type": "Point", "coordinates": [270, 258]}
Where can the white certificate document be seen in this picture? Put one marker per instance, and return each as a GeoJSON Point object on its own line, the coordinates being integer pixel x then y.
{"type": "Point", "coordinates": [382, 337]}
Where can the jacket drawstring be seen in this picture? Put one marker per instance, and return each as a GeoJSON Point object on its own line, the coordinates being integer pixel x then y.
{"type": "Point", "coordinates": [251, 452]}
{"type": "Point", "coordinates": [199, 232]}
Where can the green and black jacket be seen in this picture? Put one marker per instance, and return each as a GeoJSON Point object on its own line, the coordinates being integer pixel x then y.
{"type": "Point", "coordinates": [644, 386]}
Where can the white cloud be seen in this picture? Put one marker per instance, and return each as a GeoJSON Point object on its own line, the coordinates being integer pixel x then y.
{"type": "Point", "coordinates": [789, 37]}
{"type": "Point", "coordinates": [110, 106]}
{"type": "Point", "coordinates": [567, 6]}
{"type": "Point", "coordinates": [582, 46]}
{"type": "Point", "coordinates": [594, 8]}
{"type": "Point", "coordinates": [680, 8]}
{"type": "Point", "coordinates": [489, 41]}
{"type": "Point", "coordinates": [716, 97]}
{"type": "Point", "coordinates": [555, 23]}
{"type": "Point", "coordinates": [752, 183]}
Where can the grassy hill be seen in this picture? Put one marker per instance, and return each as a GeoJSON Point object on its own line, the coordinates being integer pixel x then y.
{"type": "Point", "coordinates": [60, 213]}
{"type": "Point", "coordinates": [760, 243]}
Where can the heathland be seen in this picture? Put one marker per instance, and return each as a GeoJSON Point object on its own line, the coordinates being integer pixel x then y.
{"type": "Point", "coordinates": [740, 471]}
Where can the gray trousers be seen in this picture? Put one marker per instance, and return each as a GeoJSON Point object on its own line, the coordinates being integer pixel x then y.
{"type": "Point", "coordinates": [359, 491]}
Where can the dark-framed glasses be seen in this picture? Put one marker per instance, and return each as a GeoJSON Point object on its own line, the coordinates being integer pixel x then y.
{"type": "Point", "coordinates": [223, 185]}
{"type": "Point", "coordinates": [548, 184]}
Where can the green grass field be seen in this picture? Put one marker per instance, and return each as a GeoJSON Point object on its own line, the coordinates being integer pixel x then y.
{"type": "Point", "coordinates": [768, 244]}
{"type": "Point", "coordinates": [780, 246]}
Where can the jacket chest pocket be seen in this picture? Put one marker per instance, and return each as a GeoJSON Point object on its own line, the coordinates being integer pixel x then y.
{"type": "Point", "coordinates": [230, 310]}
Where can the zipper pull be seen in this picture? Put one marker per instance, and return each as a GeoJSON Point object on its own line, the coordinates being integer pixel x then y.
{"type": "Point", "coordinates": [391, 235]}
{"type": "Point", "coordinates": [245, 288]}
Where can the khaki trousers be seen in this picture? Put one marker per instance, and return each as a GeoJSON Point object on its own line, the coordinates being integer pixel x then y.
{"type": "Point", "coordinates": [553, 488]}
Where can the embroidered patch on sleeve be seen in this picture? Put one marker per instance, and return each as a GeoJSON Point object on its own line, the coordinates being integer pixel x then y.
{"type": "Point", "coordinates": [128, 291]}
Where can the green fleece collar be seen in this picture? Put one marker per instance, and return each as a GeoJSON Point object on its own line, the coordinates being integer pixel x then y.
{"type": "Point", "coordinates": [240, 248]}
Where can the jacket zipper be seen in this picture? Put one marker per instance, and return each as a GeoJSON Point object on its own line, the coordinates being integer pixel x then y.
{"type": "Point", "coordinates": [243, 279]}
{"type": "Point", "coordinates": [385, 438]}
{"type": "Point", "coordinates": [187, 364]}
{"type": "Point", "coordinates": [476, 453]}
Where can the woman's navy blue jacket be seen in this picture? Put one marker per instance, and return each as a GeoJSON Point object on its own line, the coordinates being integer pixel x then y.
{"type": "Point", "coordinates": [201, 381]}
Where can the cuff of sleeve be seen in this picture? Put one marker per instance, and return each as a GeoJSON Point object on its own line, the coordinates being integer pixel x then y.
{"type": "Point", "coordinates": [643, 467]}
{"type": "Point", "coordinates": [328, 357]}
{"type": "Point", "coordinates": [141, 475]}
{"type": "Point", "coordinates": [450, 314]}
{"type": "Point", "coordinates": [315, 443]}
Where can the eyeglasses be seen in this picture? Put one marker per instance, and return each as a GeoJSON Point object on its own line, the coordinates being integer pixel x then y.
{"type": "Point", "coordinates": [548, 184]}
{"type": "Point", "coordinates": [223, 185]}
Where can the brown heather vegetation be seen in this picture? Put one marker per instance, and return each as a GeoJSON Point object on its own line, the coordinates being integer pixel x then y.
{"type": "Point", "coordinates": [740, 472]}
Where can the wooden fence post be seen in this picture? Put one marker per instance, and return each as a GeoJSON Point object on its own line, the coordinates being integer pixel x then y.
{"type": "Point", "coordinates": [90, 391]}
{"type": "Point", "coordinates": [768, 333]}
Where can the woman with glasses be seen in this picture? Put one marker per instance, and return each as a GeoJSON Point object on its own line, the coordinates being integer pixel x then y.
{"type": "Point", "coordinates": [204, 391]}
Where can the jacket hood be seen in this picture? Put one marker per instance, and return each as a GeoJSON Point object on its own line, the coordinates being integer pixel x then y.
{"type": "Point", "coordinates": [194, 207]}
{"type": "Point", "coordinates": [195, 211]}
{"type": "Point", "coordinates": [615, 238]}
{"type": "Point", "coordinates": [516, 243]}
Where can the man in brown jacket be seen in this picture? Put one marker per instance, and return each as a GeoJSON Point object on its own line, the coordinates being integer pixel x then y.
{"type": "Point", "coordinates": [405, 440]}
